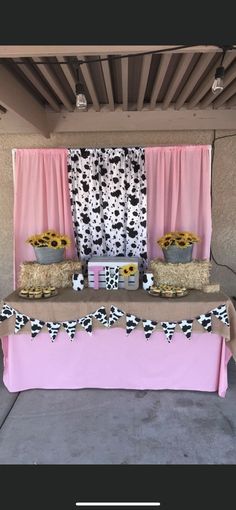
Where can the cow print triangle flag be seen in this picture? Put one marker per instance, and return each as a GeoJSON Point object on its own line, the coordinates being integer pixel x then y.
{"type": "Point", "coordinates": [186, 326]}
{"type": "Point", "coordinates": [86, 323]}
{"type": "Point", "coordinates": [205, 320]}
{"type": "Point", "coordinates": [131, 323]}
{"type": "Point", "coordinates": [149, 327]}
{"type": "Point", "coordinates": [36, 326]}
{"type": "Point", "coordinates": [6, 312]}
{"type": "Point", "coordinates": [169, 329]}
{"type": "Point", "coordinates": [70, 327]}
{"type": "Point", "coordinates": [53, 328]}
{"type": "Point", "coordinates": [221, 313]}
{"type": "Point", "coordinates": [115, 314]}
{"type": "Point", "coordinates": [101, 316]}
{"type": "Point", "coordinates": [20, 321]}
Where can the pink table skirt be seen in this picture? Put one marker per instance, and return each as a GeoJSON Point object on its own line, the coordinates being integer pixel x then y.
{"type": "Point", "coordinates": [110, 359]}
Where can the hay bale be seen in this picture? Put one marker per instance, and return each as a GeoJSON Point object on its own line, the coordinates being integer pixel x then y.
{"type": "Point", "coordinates": [41, 275]}
{"type": "Point", "coordinates": [192, 275]}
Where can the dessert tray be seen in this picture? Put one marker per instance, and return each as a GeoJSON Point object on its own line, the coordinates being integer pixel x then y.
{"type": "Point", "coordinates": [37, 294]}
{"type": "Point", "coordinates": [168, 291]}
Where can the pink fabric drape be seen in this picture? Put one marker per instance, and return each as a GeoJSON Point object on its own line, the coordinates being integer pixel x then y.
{"type": "Point", "coordinates": [179, 195]}
{"type": "Point", "coordinates": [41, 199]}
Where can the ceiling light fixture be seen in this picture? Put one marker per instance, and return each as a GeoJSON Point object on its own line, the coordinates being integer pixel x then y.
{"type": "Point", "coordinates": [81, 101]}
{"type": "Point", "coordinates": [218, 83]}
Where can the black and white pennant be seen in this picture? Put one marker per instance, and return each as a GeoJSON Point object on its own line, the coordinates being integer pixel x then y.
{"type": "Point", "coordinates": [205, 320]}
{"type": "Point", "coordinates": [36, 326]}
{"type": "Point", "coordinates": [186, 326]}
{"type": "Point", "coordinates": [53, 328]}
{"type": "Point", "coordinates": [86, 323]}
{"type": "Point", "coordinates": [101, 316]}
{"type": "Point", "coordinates": [131, 322]}
{"type": "Point", "coordinates": [70, 327]}
{"type": "Point", "coordinates": [221, 313]}
{"type": "Point", "coordinates": [20, 321]}
{"type": "Point", "coordinates": [169, 329]}
{"type": "Point", "coordinates": [149, 327]}
{"type": "Point", "coordinates": [115, 314]}
{"type": "Point", "coordinates": [6, 312]}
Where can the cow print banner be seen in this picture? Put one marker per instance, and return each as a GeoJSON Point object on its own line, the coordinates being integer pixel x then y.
{"type": "Point", "coordinates": [149, 327]}
{"type": "Point", "coordinates": [6, 312]}
{"type": "Point", "coordinates": [101, 316]}
{"type": "Point", "coordinates": [86, 323]}
{"type": "Point", "coordinates": [205, 320]}
{"type": "Point", "coordinates": [112, 277]}
{"type": "Point", "coordinates": [131, 323]}
{"type": "Point", "coordinates": [53, 328]}
{"type": "Point", "coordinates": [221, 313]}
{"type": "Point", "coordinates": [108, 201]}
{"type": "Point", "coordinates": [70, 328]}
{"type": "Point", "coordinates": [20, 321]}
{"type": "Point", "coordinates": [36, 326]}
{"type": "Point", "coordinates": [169, 329]}
{"type": "Point", "coordinates": [115, 314]}
{"type": "Point", "coordinates": [186, 326]}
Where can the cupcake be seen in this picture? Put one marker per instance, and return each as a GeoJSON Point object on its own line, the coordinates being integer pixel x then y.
{"type": "Point", "coordinates": [46, 292]}
{"type": "Point", "coordinates": [53, 290]}
{"type": "Point", "coordinates": [38, 293]}
{"type": "Point", "coordinates": [24, 292]}
{"type": "Point", "coordinates": [31, 292]}
{"type": "Point", "coordinates": [155, 290]}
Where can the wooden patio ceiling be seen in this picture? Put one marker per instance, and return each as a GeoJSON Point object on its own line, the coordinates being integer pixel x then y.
{"type": "Point", "coordinates": [44, 78]}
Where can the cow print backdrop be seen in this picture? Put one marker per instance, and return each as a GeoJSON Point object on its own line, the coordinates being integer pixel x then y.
{"type": "Point", "coordinates": [108, 202]}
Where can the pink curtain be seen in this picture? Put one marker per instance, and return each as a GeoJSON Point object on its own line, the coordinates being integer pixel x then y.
{"type": "Point", "coordinates": [179, 195]}
{"type": "Point", "coordinates": [41, 199]}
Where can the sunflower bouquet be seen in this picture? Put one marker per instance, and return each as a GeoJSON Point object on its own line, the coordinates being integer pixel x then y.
{"type": "Point", "coordinates": [182, 239]}
{"type": "Point", "coordinates": [129, 270]}
{"type": "Point", "coordinates": [49, 239]}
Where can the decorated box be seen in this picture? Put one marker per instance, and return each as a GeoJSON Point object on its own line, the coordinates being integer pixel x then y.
{"type": "Point", "coordinates": [112, 273]}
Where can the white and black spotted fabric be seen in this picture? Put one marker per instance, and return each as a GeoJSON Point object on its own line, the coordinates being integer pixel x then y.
{"type": "Point", "coordinates": [169, 329]}
{"type": "Point", "coordinates": [101, 316]}
{"type": "Point", "coordinates": [108, 201]}
{"type": "Point", "coordinates": [78, 281]}
{"type": "Point", "coordinates": [112, 277]}
{"type": "Point", "coordinates": [53, 329]}
{"type": "Point", "coordinates": [221, 313]}
{"type": "Point", "coordinates": [20, 321]}
{"type": "Point", "coordinates": [186, 326]}
{"type": "Point", "coordinates": [148, 281]}
{"type": "Point", "coordinates": [149, 327]}
{"type": "Point", "coordinates": [115, 314]}
{"type": "Point", "coordinates": [70, 328]}
{"type": "Point", "coordinates": [6, 312]}
{"type": "Point", "coordinates": [131, 322]}
{"type": "Point", "coordinates": [205, 320]}
{"type": "Point", "coordinates": [36, 326]}
{"type": "Point", "coordinates": [86, 323]}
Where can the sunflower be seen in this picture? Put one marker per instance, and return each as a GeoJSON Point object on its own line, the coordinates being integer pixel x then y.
{"type": "Point", "coordinates": [31, 240]}
{"type": "Point", "coordinates": [50, 233]}
{"type": "Point", "coordinates": [54, 243]}
{"type": "Point", "coordinates": [64, 241]}
{"type": "Point", "coordinates": [166, 244]}
{"type": "Point", "coordinates": [181, 244]}
{"type": "Point", "coordinates": [125, 270]}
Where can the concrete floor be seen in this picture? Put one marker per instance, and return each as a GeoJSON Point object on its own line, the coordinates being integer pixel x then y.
{"type": "Point", "coordinates": [118, 426]}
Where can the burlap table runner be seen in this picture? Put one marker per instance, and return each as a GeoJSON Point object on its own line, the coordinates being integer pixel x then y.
{"type": "Point", "coordinates": [72, 305]}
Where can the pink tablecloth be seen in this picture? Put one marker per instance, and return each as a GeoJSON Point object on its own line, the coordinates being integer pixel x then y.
{"type": "Point", "coordinates": [110, 359]}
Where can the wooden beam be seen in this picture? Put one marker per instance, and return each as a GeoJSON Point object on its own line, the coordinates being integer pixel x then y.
{"type": "Point", "coordinates": [70, 76]}
{"type": "Point", "coordinates": [231, 103]}
{"type": "Point", "coordinates": [108, 83]}
{"type": "Point", "coordinates": [225, 95]}
{"type": "Point", "coordinates": [146, 120]}
{"type": "Point", "coordinates": [124, 82]}
{"type": "Point", "coordinates": [16, 98]}
{"type": "Point", "coordinates": [176, 79]}
{"type": "Point", "coordinates": [207, 82]}
{"type": "Point", "coordinates": [196, 74]}
{"type": "Point", "coordinates": [54, 82]}
{"type": "Point", "coordinates": [73, 50]}
{"type": "Point", "coordinates": [230, 75]}
{"type": "Point", "coordinates": [146, 63]}
{"type": "Point", "coordinates": [89, 83]}
{"type": "Point", "coordinates": [39, 85]}
{"type": "Point", "coordinates": [161, 72]}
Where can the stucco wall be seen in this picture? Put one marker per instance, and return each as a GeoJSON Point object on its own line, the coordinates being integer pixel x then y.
{"type": "Point", "coordinates": [224, 188]}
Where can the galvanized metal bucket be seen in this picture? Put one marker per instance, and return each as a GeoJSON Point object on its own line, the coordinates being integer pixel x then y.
{"type": "Point", "coordinates": [176, 255]}
{"type": "Point", "coordinates": [46, 255]}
